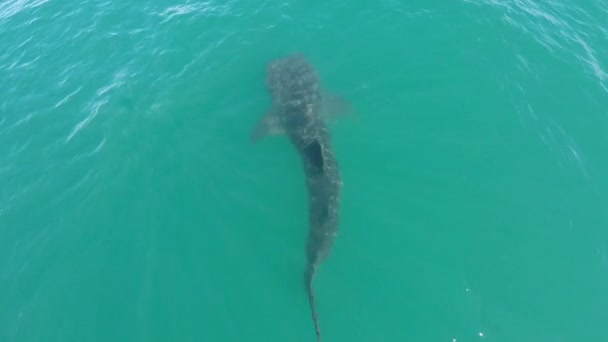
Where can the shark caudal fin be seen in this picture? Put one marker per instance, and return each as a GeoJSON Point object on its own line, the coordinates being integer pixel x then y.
{"type": "Point", "coordinates": [310, 274]}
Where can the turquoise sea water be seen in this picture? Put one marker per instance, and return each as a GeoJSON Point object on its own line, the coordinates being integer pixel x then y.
{"type": "Point", "coordinates": [134, 208]}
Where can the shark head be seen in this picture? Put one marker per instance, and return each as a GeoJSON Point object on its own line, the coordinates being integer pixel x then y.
{"type": "Point", "coordinates": [289, 74]}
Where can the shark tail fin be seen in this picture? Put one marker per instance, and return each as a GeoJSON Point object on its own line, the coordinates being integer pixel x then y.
{"type": "Point", "coordinates": [310, 274]}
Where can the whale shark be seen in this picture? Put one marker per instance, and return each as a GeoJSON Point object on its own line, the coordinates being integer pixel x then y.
{"type": "Point", "coordinates": [300, 110]}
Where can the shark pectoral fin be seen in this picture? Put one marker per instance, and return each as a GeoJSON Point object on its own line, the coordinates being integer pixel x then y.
{"type": "Point", "coordinates": [269, 124]}
{"type": "Point", "coordinates": [335, 106]}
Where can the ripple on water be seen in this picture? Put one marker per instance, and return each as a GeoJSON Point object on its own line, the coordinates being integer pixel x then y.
{"type": "Point", "coordinates": [101, 99]}
{"type": "Point", "coordinates": [67, 97]}
{"type": "Point", "coordinates": [563, 28]}
{"type": "Point", "coordinates": [10, 8]}
{"type": "Point", "coordinates": [207, 8]}
{"type": "Point", "coordinates": [554, 137]}
{"type": "Point", "coordinates": [95, 107]}
{"type": "Point", "coordinates": [569, 32]}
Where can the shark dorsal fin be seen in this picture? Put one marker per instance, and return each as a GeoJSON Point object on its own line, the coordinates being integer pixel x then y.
{"type": "Point", "coordinates": [335, 106]}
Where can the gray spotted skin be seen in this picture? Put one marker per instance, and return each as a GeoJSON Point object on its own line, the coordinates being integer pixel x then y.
{"type": "Point", "coordinates": [297, 107]}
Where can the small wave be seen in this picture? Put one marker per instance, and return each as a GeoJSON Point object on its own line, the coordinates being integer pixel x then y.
{"type": "Point", "coordinates": [85, 30]}
{"type": "Point", "coordinates": [136, 31]}
{"type": "Point", "coordinates": [25, 65]}
{"type": "Point", "coordinates": [206, 7]}
{"type": "Point", "coordinates": [200, 56]}
{"type": "Point", "coordinates": [603, 255]}
{"type": "Point", "coordinates": [567, 146]}
{"type": "Point", "coordinates": [561, 28]}
{"type": "Point", "coordinates": [10, 8]}
{"type": "Point", "coordinates": [98, 147]}
{"type": "Point", "coordinates": [95, 150]}
{"type": "Point", "coordinates": [91, 175]}
{"type": "Point", "coordinates": [183, 9]}
{"type": "Point", "coordinates": [591, 60]}
{"type": "Point", "coordinates": [102, 99]}
{"type": "Point", "coordinates": [24, 42]}
{"type": "Point", "coordinates": [7, 160]}
{"type": "Point", "coordinates": [94, 111]}
{"type": "Point", "coordinates": [69, 72]}
{"type": "Point", "coordinates": [117, 82]}
{"type": "Point", "coordinates": [555, 138]}
{"type": "Point", "coordinates": [65, 99]}
{"type": "Point", "coordinates": [23, 120]}
{"type": "Point", "coordinates": [523, 62]}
